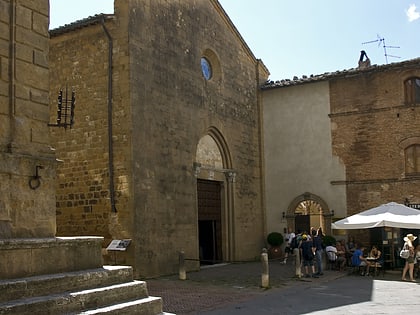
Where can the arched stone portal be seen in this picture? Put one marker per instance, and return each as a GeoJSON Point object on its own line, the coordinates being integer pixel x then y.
{"type": "Point", "coordinates": [309, 210]}
{"type": "Point", "coordinates": [215, 186]}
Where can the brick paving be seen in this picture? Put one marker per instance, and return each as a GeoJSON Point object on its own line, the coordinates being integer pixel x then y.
{"type": "Point", "coordinates": [216, 286]}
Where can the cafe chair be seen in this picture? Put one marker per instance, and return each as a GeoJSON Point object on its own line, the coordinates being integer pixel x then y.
{"type": "Point", "coordinates": [379, 265]}
{"type": "Point", "coordinates": [332, 260]}
{"type": "Point", "coordinates": [376, 265]}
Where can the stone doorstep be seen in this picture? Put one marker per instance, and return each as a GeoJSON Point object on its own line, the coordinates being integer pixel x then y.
{"type": "Point", "coordinates": [68, 281]}
{"type": "Point", "coordinates": [115, 297]}
{"type": "Point", "coordinates": [147, 306]}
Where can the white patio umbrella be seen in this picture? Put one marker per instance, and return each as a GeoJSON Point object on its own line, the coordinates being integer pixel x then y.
{"type": "Point", "coordinates": [390, 215]}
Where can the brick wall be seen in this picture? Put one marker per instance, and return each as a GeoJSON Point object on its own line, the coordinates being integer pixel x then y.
{"type": "Point", "coordinates": [370, 122]}
{"type": "Point", "coordinates": [79, 62]}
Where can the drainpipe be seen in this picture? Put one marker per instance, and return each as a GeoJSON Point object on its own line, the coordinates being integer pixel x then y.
{"type": "Point", "coordinates": [11, 73]}
{"type": "Point", "coordinates": [110, 145]}
{"type": "Point", "coordinates": [260, 111]}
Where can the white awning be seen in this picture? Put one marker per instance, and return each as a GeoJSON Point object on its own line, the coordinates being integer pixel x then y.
{"type": "Point", "coordinates": [391, 215]}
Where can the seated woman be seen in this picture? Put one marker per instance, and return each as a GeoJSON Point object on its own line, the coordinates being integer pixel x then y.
{"type": "Point", "coordinates": [374, 259]}
{"type": "Point", "coordinates": [348, 253]}
{"type": "Point", "coordinates": [341, 255]}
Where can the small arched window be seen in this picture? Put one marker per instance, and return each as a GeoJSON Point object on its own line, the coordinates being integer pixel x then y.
{"type": "Point", "coordinates": [412, 90]}
{"type": "Point", "coordinates": [412, 159]}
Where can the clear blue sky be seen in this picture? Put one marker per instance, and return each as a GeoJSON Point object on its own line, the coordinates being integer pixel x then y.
{"type": "Point", "coordinates": [295, 38]}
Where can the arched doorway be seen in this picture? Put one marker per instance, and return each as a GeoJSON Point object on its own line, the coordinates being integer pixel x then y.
{"type": "Point", "coordinates": [309, 210]}
{"type": "Point", "coordinates": [215, 180]}
{"type": "Point", "coordinates": [209, 200]}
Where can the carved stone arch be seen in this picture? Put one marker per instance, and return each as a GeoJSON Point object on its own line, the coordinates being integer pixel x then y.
{"type": "Point", "coordinates": [213, 165]}
{"type": "Point", "coordinates": [412, 90]}
{"type": "Point", "coordinates": [324, 211]}
{"type": "Point", "coordinates": [307, 196]}
{"type": "Point", "coordinates": [214, 60]}
{"type": "Point", "coordinates": [223, 147]}
{"type": "Point", "coordinates": [409, 141]}
{"type": "Point", "coordinates": [213, 156]}
{"type": "Point", "coordinates": [410, 151]}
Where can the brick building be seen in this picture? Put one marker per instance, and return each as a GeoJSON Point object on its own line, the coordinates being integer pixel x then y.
{"type": "Point", "coordinates": [166, 145]}
{"type": "Point", "coordinates": [349, 141]}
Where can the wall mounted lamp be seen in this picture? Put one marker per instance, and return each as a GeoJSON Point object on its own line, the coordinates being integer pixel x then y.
{"type": "Point", "coordinates": [284, 215]}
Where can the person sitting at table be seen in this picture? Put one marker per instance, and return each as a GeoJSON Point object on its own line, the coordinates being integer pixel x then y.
{"type": "Point", "coordinates": [358, 260]}
{"type": "Point", "coordinates": [341, 255]}
{"type": "Point", "coordinates": [331, 256]}
{"type": "Point", "coordinates": [348, 253]}
{"type": "Point", "coordinates": [373, 259]}
{"type": "Point", "coordinates": [351, 244]}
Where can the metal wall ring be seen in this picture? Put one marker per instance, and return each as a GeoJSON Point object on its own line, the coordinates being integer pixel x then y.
{"type": "Point", "coordinates": [34, 182]}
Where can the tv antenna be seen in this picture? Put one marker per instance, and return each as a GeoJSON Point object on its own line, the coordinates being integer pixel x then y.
{"type": "Point", "coordinates": [380, 40]}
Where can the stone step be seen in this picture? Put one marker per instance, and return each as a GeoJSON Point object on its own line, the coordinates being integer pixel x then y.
{"type": "Point", "coordinates": [115, 296]}
{"type": "Point", "coordinates": [147, 306]}
{"type": "Point", "coordinates": [13, 289]}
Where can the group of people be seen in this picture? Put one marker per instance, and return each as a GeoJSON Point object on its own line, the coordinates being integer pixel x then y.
{"type": "Point", "coordinates": [309, 248]}
{"type": "Point", "coordinates": [338, 254]}
{"type": "Point", "coordinates": [374, 259]}
{"type": "Point", "coordinates": [412, 262]}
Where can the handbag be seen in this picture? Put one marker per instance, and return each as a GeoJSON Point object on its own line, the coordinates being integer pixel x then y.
{"type": "Point", "coordinates": [405, 253]}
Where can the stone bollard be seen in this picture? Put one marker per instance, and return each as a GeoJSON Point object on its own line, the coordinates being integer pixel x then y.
{"type": "Point", "coordinates": [265, 278]}
{"type": "Point", "coordinates": [298, 267]}
{"type": "Point", "coordinates": [182, 272]}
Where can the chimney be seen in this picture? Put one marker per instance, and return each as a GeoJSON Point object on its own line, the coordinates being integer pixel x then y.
{"type": "Point", "coordinates": [364, 63]}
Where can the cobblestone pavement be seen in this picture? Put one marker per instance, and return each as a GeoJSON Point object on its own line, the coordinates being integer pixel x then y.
{"type": "Point", "coordinates": [216, 286]}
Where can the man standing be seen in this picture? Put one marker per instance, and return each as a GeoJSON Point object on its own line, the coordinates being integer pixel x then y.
{"type": "Point", "coordinates": [317, 244]}
{"type": "Point", "coordinates": [307, 250]}
{"type": "Point", "coordinates": [288, 249]}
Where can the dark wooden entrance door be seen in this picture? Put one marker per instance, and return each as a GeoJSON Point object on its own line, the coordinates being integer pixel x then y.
{"type": "Point", "coordinates": [209, 221]}
{"type": "Point", "coordinates": [302, 223]}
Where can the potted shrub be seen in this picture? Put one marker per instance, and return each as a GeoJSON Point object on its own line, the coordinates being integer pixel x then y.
{"type": "Point", "coordinates": [275, 240]}
{"type": "Point", "coordinates": [328, 240]}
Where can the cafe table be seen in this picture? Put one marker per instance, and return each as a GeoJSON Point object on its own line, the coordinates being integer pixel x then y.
{"type": "Point", "coordinates": [375, 261]}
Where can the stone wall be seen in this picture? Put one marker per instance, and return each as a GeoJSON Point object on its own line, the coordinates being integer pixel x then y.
{"type": "Point", "coordinates": [161, 108]}
{"type": "Point", "coordinates": [176, 106]}
{"type": "Point", "coordinates": [26, 203]}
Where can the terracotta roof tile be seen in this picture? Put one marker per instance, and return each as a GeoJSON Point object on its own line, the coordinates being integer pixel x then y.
{"type": "Point", "coordinates": [337, 74]}
{"type": "Point", "coordinates": [91, 20]}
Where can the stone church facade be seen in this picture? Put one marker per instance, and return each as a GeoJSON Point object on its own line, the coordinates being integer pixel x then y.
{"type": "Point", "coordinates": [352, 135]}
{"type": "Point", "coordinates": [166, 145]}
{"type": "Point", "coordinates": [180, 143]}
